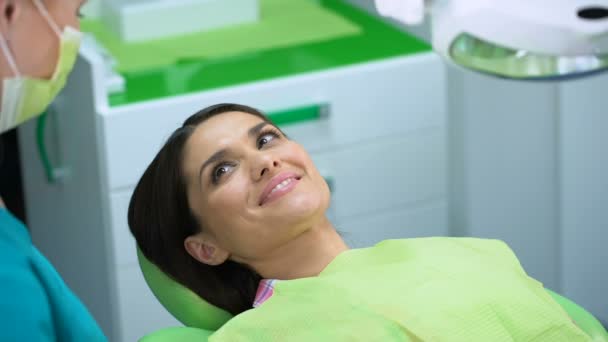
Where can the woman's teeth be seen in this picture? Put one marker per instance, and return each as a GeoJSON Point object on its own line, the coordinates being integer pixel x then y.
{"type": "Point", "coordinates": [282, 185]}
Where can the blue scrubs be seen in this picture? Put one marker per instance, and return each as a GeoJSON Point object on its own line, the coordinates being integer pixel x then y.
{"type": "Point", "coordinates": [35, 303]}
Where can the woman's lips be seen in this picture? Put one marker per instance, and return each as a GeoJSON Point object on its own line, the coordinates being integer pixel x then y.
{"type": "Point", "coordinates": [278, 186]}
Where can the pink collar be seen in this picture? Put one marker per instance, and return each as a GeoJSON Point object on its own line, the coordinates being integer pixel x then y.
{"type": "Point", "coordinates": [265, 291]}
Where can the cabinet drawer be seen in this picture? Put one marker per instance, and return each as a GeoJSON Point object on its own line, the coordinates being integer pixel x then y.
{"type": "Point", "coordinates": [386, 173]}
{"type": "Point", "coordinates": [365, 101]}
{"type": "Point", "coordinates": [428, 219]}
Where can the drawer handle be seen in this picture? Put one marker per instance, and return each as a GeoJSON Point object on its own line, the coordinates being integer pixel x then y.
{"type": "Point", "coordinates": [299, 114]}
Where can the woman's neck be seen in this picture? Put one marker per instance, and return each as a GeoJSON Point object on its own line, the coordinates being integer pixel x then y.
{"type": "Point", "coordinates": [305, 256]}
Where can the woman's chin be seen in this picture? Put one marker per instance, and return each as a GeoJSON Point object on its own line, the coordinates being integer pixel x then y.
{"type": "Point", "coordinates": [297, 206]}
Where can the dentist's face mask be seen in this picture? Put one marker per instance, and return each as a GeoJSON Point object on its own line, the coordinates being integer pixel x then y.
{"type": "Point", "coordinates": [24, 97]}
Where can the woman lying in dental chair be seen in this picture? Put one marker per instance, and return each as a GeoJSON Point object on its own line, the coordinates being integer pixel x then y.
{"type": "Point", "coordinates": [235, 211]}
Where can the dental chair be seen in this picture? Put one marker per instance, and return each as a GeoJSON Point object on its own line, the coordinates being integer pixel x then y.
{"type": "Point", "coordinates": [202, 319]}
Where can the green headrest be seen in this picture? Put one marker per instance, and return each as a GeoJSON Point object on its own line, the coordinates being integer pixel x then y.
{"type": "Point", "coordinates": [181, 302]}
{"type": "Point", "coordinates": [581, 317]}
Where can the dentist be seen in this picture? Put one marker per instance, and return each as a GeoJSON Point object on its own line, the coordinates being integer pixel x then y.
{"type": "Point", "coordinates": [39, 41]}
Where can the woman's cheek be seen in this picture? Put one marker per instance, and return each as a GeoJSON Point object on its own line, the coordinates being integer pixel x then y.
{"type": "Point", "coordinates": [234, 192]}
{"type": "Point", "coordinates": [297, 154]}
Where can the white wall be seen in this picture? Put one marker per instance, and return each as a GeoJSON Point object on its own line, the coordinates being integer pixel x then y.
{"type": "Point", "coordinates": [528, 165]}
{"type": "Point", "coordinates": [503, 173]}
{"type": "Point", "coordinates": [583, 129]}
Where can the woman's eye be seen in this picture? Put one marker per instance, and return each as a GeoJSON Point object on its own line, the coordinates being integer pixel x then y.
{"type": "Point", "coordinates": [219, 171]}
{"type": "Point", "coordinates": [265, 138]}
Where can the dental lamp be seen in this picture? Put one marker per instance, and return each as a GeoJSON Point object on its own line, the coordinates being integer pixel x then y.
{"type": "Point", "coordinates": [515, 39]}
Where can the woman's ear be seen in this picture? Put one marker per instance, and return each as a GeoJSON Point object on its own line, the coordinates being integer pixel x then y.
{"type": "Point", "coordinates": [205, 250]}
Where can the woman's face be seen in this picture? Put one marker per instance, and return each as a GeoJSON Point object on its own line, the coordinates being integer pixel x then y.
{"type": "Point", "coordinates": [251, 188]}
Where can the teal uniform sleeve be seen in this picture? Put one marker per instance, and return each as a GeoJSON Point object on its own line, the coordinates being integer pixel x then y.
{"type": "Point", "coordinates": [35, 303]}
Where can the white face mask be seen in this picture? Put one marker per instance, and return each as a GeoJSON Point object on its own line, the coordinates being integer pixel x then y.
{"type": "Point", "coordinates": [25, 97]}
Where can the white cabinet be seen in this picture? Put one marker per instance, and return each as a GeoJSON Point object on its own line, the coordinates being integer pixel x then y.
{"type": "Point", "coordinates": [382, 146]}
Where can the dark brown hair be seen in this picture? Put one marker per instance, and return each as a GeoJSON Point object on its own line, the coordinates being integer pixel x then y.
{"type": "Point", "coordinates": [160, 219]}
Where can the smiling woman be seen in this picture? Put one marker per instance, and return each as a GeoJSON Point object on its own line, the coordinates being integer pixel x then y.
{"type": "Point", "coordinates": [228, 200]}
{"type": "Point", "coordinates": [234, 210]}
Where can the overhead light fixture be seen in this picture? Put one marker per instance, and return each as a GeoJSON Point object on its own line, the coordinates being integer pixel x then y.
{"type": "Point", "coordinates": [517, 39]}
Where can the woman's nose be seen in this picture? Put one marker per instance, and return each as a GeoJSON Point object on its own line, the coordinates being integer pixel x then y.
{"type": "Point", "coordinates": [265, 165]}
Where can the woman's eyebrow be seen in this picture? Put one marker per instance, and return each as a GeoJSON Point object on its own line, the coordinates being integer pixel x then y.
{"type": "Point", "coordinates": [255, 130]}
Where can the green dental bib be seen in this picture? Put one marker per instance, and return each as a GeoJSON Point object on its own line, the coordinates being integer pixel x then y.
{"type": "Point", "coordinates": [434, 289]}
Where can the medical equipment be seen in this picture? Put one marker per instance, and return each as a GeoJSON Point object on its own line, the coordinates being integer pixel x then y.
{"type": "Point", "coordinates": [518, 39]}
